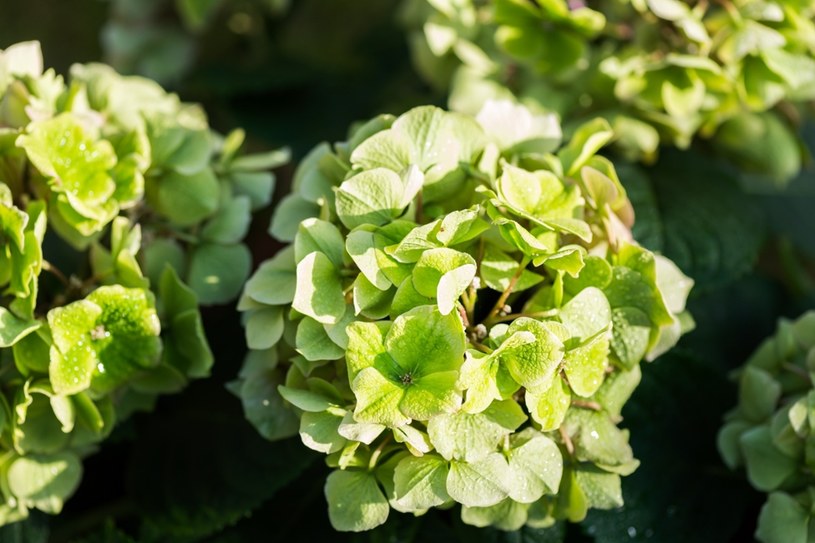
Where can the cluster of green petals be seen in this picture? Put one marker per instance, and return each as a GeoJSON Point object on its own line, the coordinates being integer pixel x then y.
{"type": "Point", "coordinates": [459, 318]}
{"type": "Point", "coordinates": [657, 70]}
{"type": "Point", "coordinates": [111, 192]}
{"type": "Point", "coordinates": [771, 432]}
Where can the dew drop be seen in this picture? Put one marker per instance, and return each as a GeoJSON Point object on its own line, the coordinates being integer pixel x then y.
{"type": "Point", "coordinates": [594, 434]}
{"type": "Point", "coordinates": [100, 367]}
{"type": "Point", "coordinates": [265, 403]}
{"type": "Point", "coordinates": [632, 532]}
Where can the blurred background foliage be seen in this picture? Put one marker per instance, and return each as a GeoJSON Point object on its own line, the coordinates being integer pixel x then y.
{"type": "Point", "coordinates": [297, 74]}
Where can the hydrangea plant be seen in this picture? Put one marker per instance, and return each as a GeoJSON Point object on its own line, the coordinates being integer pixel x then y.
{"type": "Point", "coordinates": [114, 197]}
{"type": "Point", "coordinates": [459, 318]}
{"type": "Point", "coordinates": [770, 431]}
{"type": "Point", "coordinates": [657, 70]}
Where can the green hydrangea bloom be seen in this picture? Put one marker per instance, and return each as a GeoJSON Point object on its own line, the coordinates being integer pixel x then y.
{"type": "Point", "coordinates": [459, 318]}
{"type": "Point", "coordinates": [770, 432]}
{"type": "Point", "coordinates": [111, 192]}
{"type": "Point", "coordinates": [660, 71]}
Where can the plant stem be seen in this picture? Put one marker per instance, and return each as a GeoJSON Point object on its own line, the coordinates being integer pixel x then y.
{"type": "Point", "coordinates": [800, 372]}
{"type": "Point", "coordinates": [533, 315]}
{"type": "Point", "coordinates": [377, 453]}
{"type": "Point", "coordinates": [53, 270]}
{"type": "Point", "coordinates": [594, 406]}
{"type": "Point", "coordinates": [507, 291]}
{"type": "Point", "coordinates": [566, 440]}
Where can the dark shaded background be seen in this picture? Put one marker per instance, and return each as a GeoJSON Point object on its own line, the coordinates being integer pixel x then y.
{"type": "Point", "coordinates": [195, 471]}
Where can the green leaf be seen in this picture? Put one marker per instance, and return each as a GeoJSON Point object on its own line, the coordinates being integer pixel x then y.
{"type": "Point", "coordinates": [44, 481]}
{"type": "Point", "coordinates": [366, 341]}
{"type": "Point", "coordinates": [185, 343]}
{"type": "Point", "coordinates": [73, 359]}
{"type": "Point", "coordinates": [31, 353]}
{"type": "Point", "coordinates": [461, 226]}
{"type": "Point", "coordinates": [257, 186]}
{"type": "Point", "coordinates": [413, 374]}
{"type": "Point", "coordinates": [585, 366]}
{"type": "Point", "coordinates": [485, 379]}
{"type": "Point", "coordinates": [767, 467]}
{"type": "Point", "coordinates": [186, 199]}
{"type": "Point", "coordinates": [597, 439]}
{"type": "Point", "coordinates": [507, 515]}
{"type": "Point", "coordinates": [603, 490]}
{"type": "Point", "coordinates": [319, 293]}
{"type": "Point", "coordinates": [761, 143]}
{"type": "Point", "coordinates": [264, 408]}
{"type": "Point", "coordinates": [369, 301]}
{"type": "Point", "coordinates": [586, 314]}
{"type": "Point", "coordinates": [264, 328]}
{"type": "Point", "coordinates": [548, 407]}
{"type": "Point", "coordinates": [783, 519]}
{"type": "Point", "coordinates": [378, 399]}
{"type": "Point", "coordinates": [471, 437]}
{"type": "Point", "coordinates": [533, 365]}
{"type": "Point", "coordinates": [37, 429]}
{"type": "Point", "coordinates": [160, 253]}
{"type": "Point", "coordinates": [452, 284]}
{"type": "Point", "coordinates": [481, 483]}
{"type": "Point", "coordinates": [314, 343]}
{"type": "Point", "coordinates": [261, 161]}
{"type": "Point", "coordinates": [275, 280]}
{"type": "Point", "coordinates": [444, 274]}
{"type": "Point", "coordinates": [13, 329]}
{"type": "Point", "coordinates": [231, 223]}
{"type": "Point", "coordinates": [589, 138]}
{"type": "Point", "coordinates": [516, 129]}
{"type": "Point", "coordinates": [217, 272]}
{"type": "Point", "coordinates": [355, 502]}
{"type": "Point", "coordinates": [371, 197]}
{"type": "Point", "coordinates": [322, 236]}
{"type": "Point", "coordinates": [498, 269]}
{"type": "Point", "coordinates": [75, 162]}
{"type": "Point", "coordinates": [759, 393]}
{"type": "Point", "coordinates": [536, 466]}
{"type": "Point", "coordinates": [361, 246]}
{"type": "Point", "coordinates": [309, 401]}
{"type": "Point", "coordinates": [318, 431]}
{"type": "Point", "coordinates": [540, 196]}
{"type": "Point", "coordinates": [125, 337]}
{"type": "Point", "coordinates": [407, 298]}
{"type": "Point", "coordinates": [423, 341]}
{"type": "Point", "coordinates": [631, 335]}
{"type": "Point", "coordinates": [420, 482]}
{"type": "Point", "coordinates": [414, 242]}
{"type": "Point", "coordinates": [291, 210]}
